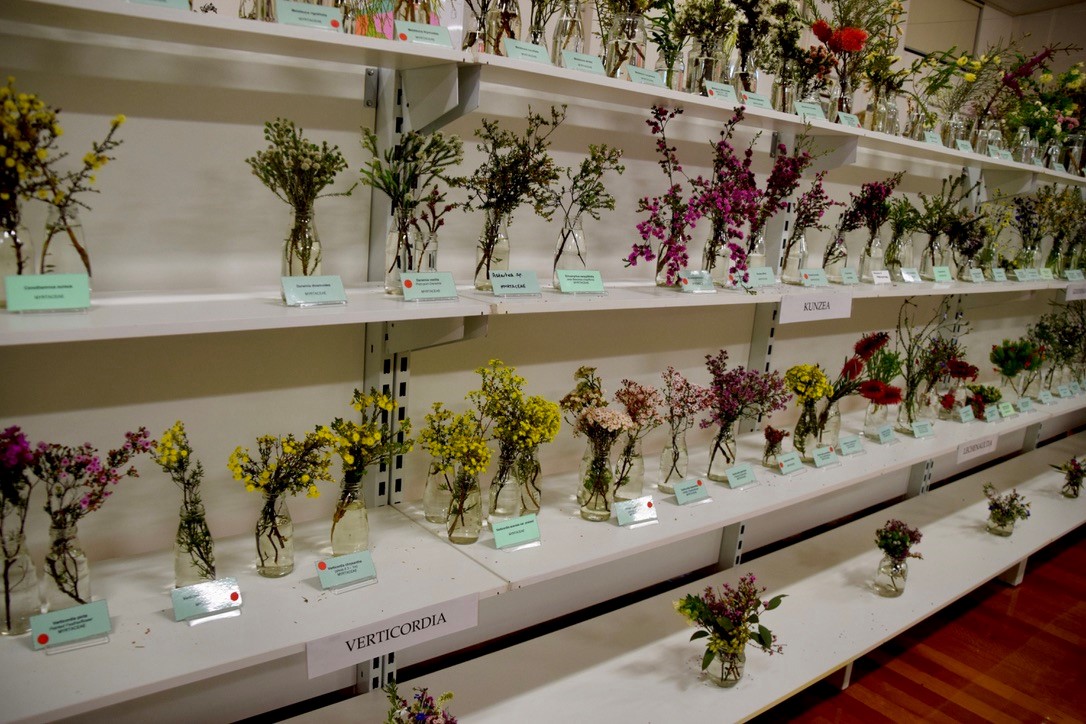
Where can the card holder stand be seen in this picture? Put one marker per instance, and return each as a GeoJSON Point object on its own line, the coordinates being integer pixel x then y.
{"type": "Point", "coordinates": [524, 546]}
{"type": "Point", "coordinates": [354, 586]}
{"type": "Point", "coordinates": [232, 613]}
{"type": "Point", "coordinates": [642, 524]}
{"type": "Point", "coordinates": [74, 645]}
{"type": "Point", "coordinates": [306, 305]}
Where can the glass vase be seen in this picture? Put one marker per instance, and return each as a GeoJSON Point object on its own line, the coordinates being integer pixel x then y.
{"type": "Point", "coordinates": [194, 551]}
{"type": "Point", "coordinates": [890, 577]}
{"type": "Point", "coordinates": [783, 95]}
{"type": "Point", "coordinates": [492, 253]}
{"type": "Point", "coordinates": [67, 572]}
{"type": "Point", "coordinates": [571, 252]}
{"type": "Point", "coordinates": [705, 62]}
{"type": "Point", "coordinates": [474, 32]}
{"type": "Point", "coordinates": [274, 538]}
{"type": "Point", "coordinates": [1071, 491]}
{"type": "Point", "coordinates": [795, 260]}
{"type": "Point", "coordinates": [834, 266]}
{"type": "Point", "coordinates": [598, 484]}
{"type": "Point", "coordinates": [1002, 529]}
{"type": "Point", "coordinates": [528, 474]}
{"type": "Point", "coordinates": [817, 428]}
{"type": "Point", "coordinates": [466, 510]}
{"type": "Point", "coordinates": [399, 257]}
{"type": "Point", "coordinates": [20, 582]}
{"type": "Point", "coordinates": [413, 11]}
{"type": "Point", "coordinates": [725, 670]}
{"type": "Point", "coordinates": [257, 10]}
{"type": "Point", "coordinates": [722, 452]}
{"type": "Point", "coordinates": [931, 257]}
{"type": "Point", "coordinates": [16, 256]}
{"type": "Point", "coordinates": [502, 21]}
{"type": "Point", "coordinates": [64, 250]}
{"type": "Point", "coordinates": [674, 459]}
{"type": "Point", "coordinates": [425, 250]}
{"type": "Point", "coordinates": [504, 495]}
{"type": "Point", "coordinates": [875, 417]}
{"type": "Point", "coordinates": [302, 248]}
{"type": "Point", "coordinates": [630, 470]}
{"type": "Point", "coordinates": [568, 32]}
{"type": "Point", "coordinates": [873, 259]}
{"type": "Point", "coordinates": [350, 521]}
{"type": "Point", "coordinates": [674, 73]}
{"type": "Point", "coordinates": [756, 256]}
{"type": "Point", "coordinates": [913, 408]}
{"type": "Point", "coordinates": [625, 43]}
{"type": "Point", "coordinates": [436, 497]}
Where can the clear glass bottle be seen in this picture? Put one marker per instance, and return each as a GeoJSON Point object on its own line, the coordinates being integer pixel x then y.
{"type": "Point", "coordinates": [65, 249]}
{"type": "Point", "coordinates": [890, 577]}
{"type": "Point", "coordinates": [571, 251]}
{"type": "Point", "coordinates": [67, 572]}
{"type": "Point", "coordinates": [492, 252]}
{"type": "Point", "coordinates": [503, 493]}
{"type": "Point", "coordinates": [19, 580]}
{"type": "Point", "coordinates": [674, 459]}
{"type": "Point", "coordinates": [625, 43]}
{"type": "Point", "coordinates": [399, 257]}
{"type": "Point", "coordinates": [466, 510]}
{"type": "Point", "coordinates": [194, 552]}
{"type": "Point", "coordinates": [302, 248]}
{"type": "Point", "coordinates": [274, 538]}
{"type": "Point", "coordinates": [598, 485]}
{"type": "Point", "coordinates": [876, 417]}
{"type": "Point", "coordinates": [674, 75]}
{"type": "Point", "coordinates": [873, 260]}
{"type": "Point", "coordinates": [425, 250]}
{"type": "Point", "coordinates": [705, 62]}
{"type": "Point", "coordinates": [629, 474]}
{"type": "Point", "coordinates": [528, 474]}
{"type": "Point", "coordinates": [568, 31]}
{"type": "Point", "coordinates": [257, 10]}
{"type": "Point", "coordinates": [436, 497]}
{"type": "Point", "coordinates": [725, 670]}
{"type": "Point", "coordinates": [796, 260]}
{"type": "Point", "coordinates": [502, 21]}
{"type": "Point", "coordinates": [16, 256]}
{"type": "Point", "coordinates": [350, 520]}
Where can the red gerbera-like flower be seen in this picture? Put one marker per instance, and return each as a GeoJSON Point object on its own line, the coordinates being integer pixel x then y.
{"type": "Point", "coordinates": [854, 366]}
{"type": "Point", "coordinates": [847, 40]}
{"type": "Point", "coordinates": [891, 395]}
{"type": "Point", "coordinates": [869, 344]}
{"type": "Point", "coordinates": [959, 369]}
{"type": "Point", "coordinates": [822, 30]}
{"type": "Point", "coordinates": [879, 393]}
{"type": "Point", "coordinates": [947, 401]}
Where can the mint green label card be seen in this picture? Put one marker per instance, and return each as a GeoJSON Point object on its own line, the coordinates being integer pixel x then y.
{"type": "Point", "coordinates": [849, 276]}
{"type": "Point", "coordinates": [1059, 167]}
{"type": "Point", "coordinates": [807, 110]}
{"type": "Point", "coordinates": [910, 275]}
{"type": "Point", "coordinates": [933, 138]}
{"type": "Point", "coordinates": [308, 16]}
{"type": "Point", "coordinates": [885, 434]}
{"type": "Point", "coordinates": [429, 286]}
{"type": "Point", "coordinates": [1076, 388]}
{"type": "Point", "coordinates": [942, 274]}
{"type": "Point", "coordinates": [696, 282]}
{"type": "Point", "coordinates": [824, 456]}
{"type": "Point", "coordinates": [514, 283]}
{"type": "Point", "coordinates": [1021, 275]}
{"type": "Point", "coordinates": [789, 463]}
{"type": "Point", "coordinates": [584, 63]}
{"type": "Point", "coordinates": [47, 292]}
{"type": "Point", "coordinates": [313, 291]}
{"type": "Point", "coordinates": [639, 510]}
{"type": "Point", "coordinates": [850, 445]}
{"type": "Point", "coordinates": [993, 152]}
{"type": "Point", "coordinates": [760, 276]}
{"type": "Point", "coordinates": [1006, 409]}
{"type": "Point", "coordinates": [1046, 397]}
{"type": "Point", "coordinates": [922, 429]}
{"type": "Point", "coordinates": [172, 4]}
{"type": "Point", "coordinates": [423, 34]}
{"type": "Point", "coordinates": [849, 119]}
{"type": "Point", "coordinates": [721, 92]}
{"type": "Point", "coordinates": [345, 570]}
{"type": "Point", "coordinates": [999, 275]}
{"type": "Point", "coordinates": [756, 100]}
{"type": "Point", "coordinates": [813, 277]}
{"type": "Point", "coordinates": [70, 624]}
{"type": "Point", "coordinates": [1074, 275]}
{"type": "Point", "coordinates": [644, 77]}
{"type": "Point", "coordinates": [203, 599]}
{"type": "Point", "coordinates": [1046, 274]}
{"type": "Point", "coordinates": [1063, 391]}
{"type": "Point", "coordinates": [963, 145]}
{"type": "Point", "coordinates": [516, 531]}
{"type": "Point", "coordinates": [991, 413]}
{"type": "Point", "coordinates": [976, 276]}
{"type": "Point", "coordinates": [1005, 155]}
{"type": "Point", "coordinates": [965, 414]}
{"type": "Point", "coordinates": [691, 490]}
{"type": "Point", "coordinates": [1025, 405]}
{"type": "Point", "coordinates": [526, 51]}
{"type": "Point", "coordinates": [585, 281]}
{"type": "Point", "coordinates": [1039, 163]}
{"type": "Point", "coordinates": [880, 276]}
{"type": "Point", "coordinates": [740, 475]}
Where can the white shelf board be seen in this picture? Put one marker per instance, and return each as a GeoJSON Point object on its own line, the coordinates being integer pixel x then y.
{"type": "Point", "coordinates": [150, 652]}
{"type": "Point", "coordinates": [637, 663]}
{"type": "Point", "coordinates": [571, 544]}
{"type": "Point", "coordinates": [127, 315]}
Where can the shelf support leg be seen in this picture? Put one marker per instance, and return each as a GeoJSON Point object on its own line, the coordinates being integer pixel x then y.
{"type": "Point", "coordinates": [1015, 574]}
{"type": "Point", "coordinates": [842, 677]}
{"type": "Point", "coordinates": [731, 546]}
{"type": "Point", "coordinates": [919, 478]}
{"type": "Point", "coordinates": [1032, 435]}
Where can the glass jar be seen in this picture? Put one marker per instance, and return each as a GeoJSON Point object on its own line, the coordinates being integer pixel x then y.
{"type": "Point", "coordinates": [257, 10]}
{"type": "Point", "coordinates": [1002, 529]}
{"type": "Point", "coordinates": [399, 258]}
{"type": "Point", "coordinates": [876, 417]}
{"type": "Point", "coordinates": [16, 256]}
{"type": "Point", "coordinates": [20, 583]}
{"type": "Point", "coordinates": [625, 43]}
{"type": "Point", "coordinates": [194, 552]}
{"type": "Point", "coordinates": [571, 251]}
{"type": "Point", "coordinates": [890, 577]}
{"type": "Point", "coordinates": [350, 521]}
{"type": "Point", "coordinates": [674, 73]}
{"type": "Point", "coordinates": [503, 494]}
{"type": "Point", "coordinates": [725, 670]}
{"type": "Point", "coordinates": [436, 497]}
{"type": "Point", "coordinates": [67, 572]}
{"type": "Point", "coordinates": [492, 253]}
{"type": "Point", "coordinates": [568, 32]}
{"type": "Point", "coordinates": [705, 62]}
{"type": "Point", "coordinates": [873, 259]}
{"type": "Point", "coordinates": [528, 474]}
{"type": "Point", "coordinates": [64, 250]}
{"type": "Point", "coordinates": [722, 452]}
{"type": "Point", "coordinates": [794, 261]}
{"type": "Point", "coordinates": [629, 472]}
{"type": "Point", "coordinates": [466, 510]}
{"type": "Point", "coordinates": [425, 250]}
{"type": "Point", "coordinates": [302, 248]}
{"type": "Point", "coordinates": [598, 485]}
{"type": "Point", "coordinates": [502, 21]}
{"type": "Point", "coordinates": [274, 538]}
{"type": "Point", "coordinates": [674, 459]}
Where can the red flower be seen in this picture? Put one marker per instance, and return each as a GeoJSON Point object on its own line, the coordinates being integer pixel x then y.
{"type": "Point", "coordinates": [853, 368]}
{"type": "Point", "coordinates": [890, 396]}
{"type": "Point", "coordinates": [959, 369]}
{"type": "Point", "coordinates": [879, 393]}
{"type": "Point", "coordinates": [847, 40]}
{"type": "Point", "coordinates": [947, 401]}
{"type": "Point", "coordinates": [869, 344]}
{"type": "Point", "coordinates": [822, 30]}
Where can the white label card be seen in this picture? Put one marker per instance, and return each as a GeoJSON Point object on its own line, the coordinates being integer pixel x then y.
{"type": "Point", "coordinates": [977, 448]}
{"type": "Point", "coordinates": [881, 276]}
{"type": "Point", "coordinates": [809, 307]}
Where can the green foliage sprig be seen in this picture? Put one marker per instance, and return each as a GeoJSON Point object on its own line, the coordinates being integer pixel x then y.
{"type": "Point", "coordinates": [1005, 509]}
{"type": "Point", "coordinates": [294, 168]}
{"type": "Point", "coordinates": [896, 539]}
{"type": "Point", "coordinates": [173, 453]}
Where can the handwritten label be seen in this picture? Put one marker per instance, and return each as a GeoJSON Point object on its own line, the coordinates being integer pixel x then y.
{"type": "Point", "coordinates": [880, 276]}
{"type": "Point", "coordinates": [69, 625]}
{"type": "Point", "coordinates": [910, 275]}
{"type": "Point", "coordinates": [1025, 405]}
{"type": "Point", "coordinates": [638, 510]}
{"type": "Point", "coordinates": [516, 532]}
{"type": "Point", "coordinates": [813, 277]}
{"type": "Point", "coordinates": [423, 34]}
{"type": "Point", "coordinates": [740, 476]}
{"type": "Point", "coordinates": [721, 92]}
{"type": "Point", "coordinates": [999, 275]}
{"type": "Point", "coordinates": [691, 490]}
{"type": "Point", "coordinates": [933, 138]}
{"type": "Point", "coordinates": [976, 276]}
{"type": "Point", "coordinates": [644, 77]}
{"type": "Point", "coordinates": [825, 456]}
{"type": "Point", "coordinates": [47, 292]}
{"type": "Point", "coordinates": [849, 119]}
{"type": "Point", "coordinates": [756, 100]}
{"type": "Point", "coordinates": [584, 63]}
{"type": "Point", "coordinates": [922, 429]}
{"type": "Point", "coordinates": [1074, 275]}
{"type": "Point", "coordinates": [977, 448]}
{"type": "Point", "coordinates": [965, 414]}
{"type": "Point", "coordinates": [308, 16]}
{"type": "Point", "coordinates": [885, 434]}
{"type": "Point", "coordinates": [585, 281]}
{"type": "Point", "coordinates": [849, 276]}
{"type": "Point", "coordinates": [991, 413]}
{"type": "Point", "coordinates": [429, 286]}
{"type": "Point", "coordinates": [760, 276]}
{"type": "Point", "coordinates": [514, 283]}
{"type": "Point", "coordinates": [204, 599]}
{"type": "Point", "coordinates": [346, 569]}
{"type": "Point", "coordinates": [789, 463]}
{"type": "Point", "coordinates": [313, 291]}
{"type": "Point", "coordinates": [815, 306]}
{"type": "Point", "coordinates": [850, 445]}
{"type": "Point", "coordinates": [696, 282]}
{"type": "Point", "coordinates": [942, 274]}
{"type": "Point", "coordinates": [1046, 398]}
{"type": "Point", "coordinates": [963, 145]}
{"type": "Point", "coordinates": [807, 110]}
{"type": "Point", "coordinates": [520, 50]}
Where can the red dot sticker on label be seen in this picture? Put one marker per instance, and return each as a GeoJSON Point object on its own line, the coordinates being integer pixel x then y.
{"type": "Point", "coordinates": [712, 92]}
{"type": "Point", "coordinates": [43, 639]}
{"type": "Point", "coordinates": [234, 596]}
{"type": "Point", "coordinates": [335, 23]}
{"type": "Point", "coordinates": [648, 504]}
{"type": "Point", "coordinates": [685, 280]}
{"type": "Point", "coordinates": [323, 566]}
{"type": "Point", "coordinates": [806, 276]}
{"type": "Point", "coordinates": [780, 465]}
{"type": "Point", "coordinates": [407, 284]}
{"type": "Point", "coordinates": [403, 36]}
{"type": "Point", "coordinates": [699, 482]}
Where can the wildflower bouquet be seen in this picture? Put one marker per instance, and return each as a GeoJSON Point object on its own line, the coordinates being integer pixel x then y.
{"type": "Point", "coordinates": [1074, 473]}
{"type": "Point", "coordinates": [16, 487]}
{"type": "Point", "coordinates": [422, 709]}
{"type": "Point", "coordinates": [896, 539]}
{"type": "Point", "coordinates": [1018, 363]}
{"type": "Point", "coordinates": [870, 208]}
{"type": "Point", "coordinates": [681, 401]}
{"type": "Point", "coordinates": [458, 452]}
{"type": "Point", "coordinates": [810, 208]}
{"type": "Point", "coordinates": [1004, 510]}
{"type": "Point", "coordinates": [938, 211]}
{"type": "Point", "coordinates": [773, 444]}
{"type": "Point", "coordinates": [642, 403]}
{"type": "Point", "coordinates": [809, 384]}
{"type": "Point", "coordinates": [914, 339]}
{"type": "Point", "coordinates": [903, 219]}
{"type": "Point", "coordinates": [602, 426]}
{"type": "Point", "coordinates": [195, 553]}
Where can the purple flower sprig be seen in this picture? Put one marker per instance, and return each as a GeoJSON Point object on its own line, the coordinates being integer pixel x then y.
{"type": "Point", "coordinates": [16, 457]}
{"type": "Point", "coordinates": [870, 208]}
{"type": "Point", "coordinates": [781, 184]}
{"type": "Point", "coordinates": [739, 393]}
{"type": "Point", "coordinates": [810, 208]}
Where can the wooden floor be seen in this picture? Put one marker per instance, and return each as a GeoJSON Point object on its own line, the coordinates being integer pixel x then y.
{"type": "Point", "coordinates": [1001, 654]}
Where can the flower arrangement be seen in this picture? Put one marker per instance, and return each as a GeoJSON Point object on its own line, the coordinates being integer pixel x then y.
{"type": "Point", "coordinates": [913, 339]}
{"type": "Point", "coordinates": [845, 41]}
{"type": "Point", "coordinates": [665, 35]}
{"type": "Point", "coordinates": [938, 211]}
{"type": "Point", "coordinates": [1027, 222]}
{"type": "Point", "coordinates": [980, 396]}
{"type": "Point", "coordinates": [783, 180]}
{"type": "Point", "coordinates": [943, 368]}
{"type": "Point", "coordinates": [809, 384]}
{"type": "Point", "coordinates": [642, 403]}
{"type": "Point", "coordinates": [681, 401]}
{"type": "Point", "coordinates": [737, 394]}
{"type": "Point", "coordinates": [422, 709]}
{"type": "Point", "coordinates": [966, 237]}
{"type": "Point", "coordinates": [750, 40]}
{"type": "Point", "coordinates": [870, 208]}
{"type": "Point", "coordinates": [458, 451]}
{"type": "Point", "coordinates": [1050, 109]}
{"type": "Point", "coordinates": [297, 171]}
{"type": "Point", "coordinates": [774, 440]}
{"type": "Point", "coordinates": [602, 426]}
{"type": "Point", "coordinates": [810, 208]}
{"type": "Point", "coordinates": [1062, 335]}
{"type": "Point", "coordinates": [587, 392]}
{"type": "Point", "coordinates": [783, 54]}
{"type": "Point", "coordinates": [516, 168]}
{"type": "Point", "coordinates": [903, 219]}
{"type": "Point", "coordinates": [1004, 510]}
{"type": "Point", "coordinates": [77, 482]}
{"type": "Point", "coordinates": [1018, 362]}
{"type": "Point", "coordinates": [195, 546]}
{"type": "Point", "coordinates": [896, 539]}
{"type": "Point", "coordinates": [29, 129]}
{"type": "Point", "coordinates": [1074, 473]}
{"type": "Point", "coordinates": [16, 487]}
{"type": "Point", "coordinates": [730, 619]}
{"type": "Point", "coordinates": [1061, 211]}
{"type": "Point", "coordinates": [708, 22]}
{"type": "Point", "coordinates": [537, 423]}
